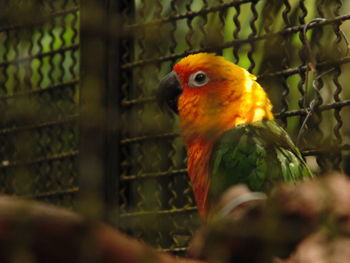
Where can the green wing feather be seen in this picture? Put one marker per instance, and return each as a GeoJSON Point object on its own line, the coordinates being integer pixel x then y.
{"type": "Point", "coordinates": [259, 155]}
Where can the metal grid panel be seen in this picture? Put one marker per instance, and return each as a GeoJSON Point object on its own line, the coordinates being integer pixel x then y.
{"type": "Point", "coordinates": [39, 78]}
{"type": "Point", "coordinates": [299, 60]}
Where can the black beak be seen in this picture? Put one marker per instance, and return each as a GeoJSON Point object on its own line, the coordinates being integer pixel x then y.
{"type": "Point", "coordinates": [168, 92]}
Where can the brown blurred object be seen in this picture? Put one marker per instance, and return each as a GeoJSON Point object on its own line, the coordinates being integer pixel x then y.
{"type": "Point", "coordinates": [34, 232]}
{"type": "Point", "coordinates": [198, 247]}
{"type": "Point", "coordinates": [322, 248]}
{"type": "Point", "coordinates": [299, 223]}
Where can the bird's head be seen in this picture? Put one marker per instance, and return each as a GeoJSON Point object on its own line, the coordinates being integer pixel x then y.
{"type": "Point", "coordinates": [212, 94]}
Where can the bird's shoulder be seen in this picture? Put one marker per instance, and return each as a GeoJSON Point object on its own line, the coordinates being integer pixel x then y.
{"type": "Point", "coordinates": [265, 132]}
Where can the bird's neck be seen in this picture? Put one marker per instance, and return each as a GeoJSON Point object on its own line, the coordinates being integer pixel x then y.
{"type": "Point", "coordinates": [199, 150]}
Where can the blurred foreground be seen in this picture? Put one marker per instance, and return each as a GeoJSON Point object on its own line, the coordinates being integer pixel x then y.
{"type": "Point", "coordinates": [309, 222]}
{"type": "Point", "coordinates": [33, 232]}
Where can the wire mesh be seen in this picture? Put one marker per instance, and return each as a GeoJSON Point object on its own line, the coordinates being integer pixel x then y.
{"type": "Point", "coordinates": [298, 50]}
{"type": "Point", "coordinates": [39, 78]}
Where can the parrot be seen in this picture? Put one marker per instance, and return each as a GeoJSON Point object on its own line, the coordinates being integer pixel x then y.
{"type": "Point", "coordinates": [228, 128]}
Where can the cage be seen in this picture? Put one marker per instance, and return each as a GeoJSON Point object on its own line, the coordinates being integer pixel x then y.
{"type": "Point", "coordinates": [80, 127]}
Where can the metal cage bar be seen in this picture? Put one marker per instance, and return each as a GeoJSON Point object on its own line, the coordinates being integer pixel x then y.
{"type": "Point", "coordinates": [100, 99]}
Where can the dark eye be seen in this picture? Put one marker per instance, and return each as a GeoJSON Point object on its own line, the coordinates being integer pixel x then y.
{"type": "Point", "coordinates": [198, 79]}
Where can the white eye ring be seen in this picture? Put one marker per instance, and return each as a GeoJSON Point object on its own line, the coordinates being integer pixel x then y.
{"type": "Point", "coordinates": [198, 79]}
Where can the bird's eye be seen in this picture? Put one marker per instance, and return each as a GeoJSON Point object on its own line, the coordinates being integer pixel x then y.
{"type": "Point", "coordinates": [198, 79]}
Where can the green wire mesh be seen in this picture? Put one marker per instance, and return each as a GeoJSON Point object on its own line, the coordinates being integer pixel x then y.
{"type": "Point", "coordinates": [39, 99]}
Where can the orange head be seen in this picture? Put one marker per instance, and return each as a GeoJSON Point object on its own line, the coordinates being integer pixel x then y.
{"type": "Point", "coordinates": [211, 95]}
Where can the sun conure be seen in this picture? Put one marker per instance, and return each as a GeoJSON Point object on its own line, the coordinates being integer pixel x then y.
{"type": "Point", "coordinates": [228, 128]}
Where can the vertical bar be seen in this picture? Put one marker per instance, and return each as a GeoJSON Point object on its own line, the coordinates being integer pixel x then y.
{"type": "Point", "coordinates": [100, 77]}
{"type": "Point", "coordinates": [236, 32]}
{"type": "Point", "coordinates": [338, 138]}
{"type": "Point", "coordinates": [112, 161]}
{"type": "Point", "coordinates": [303, 82]}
